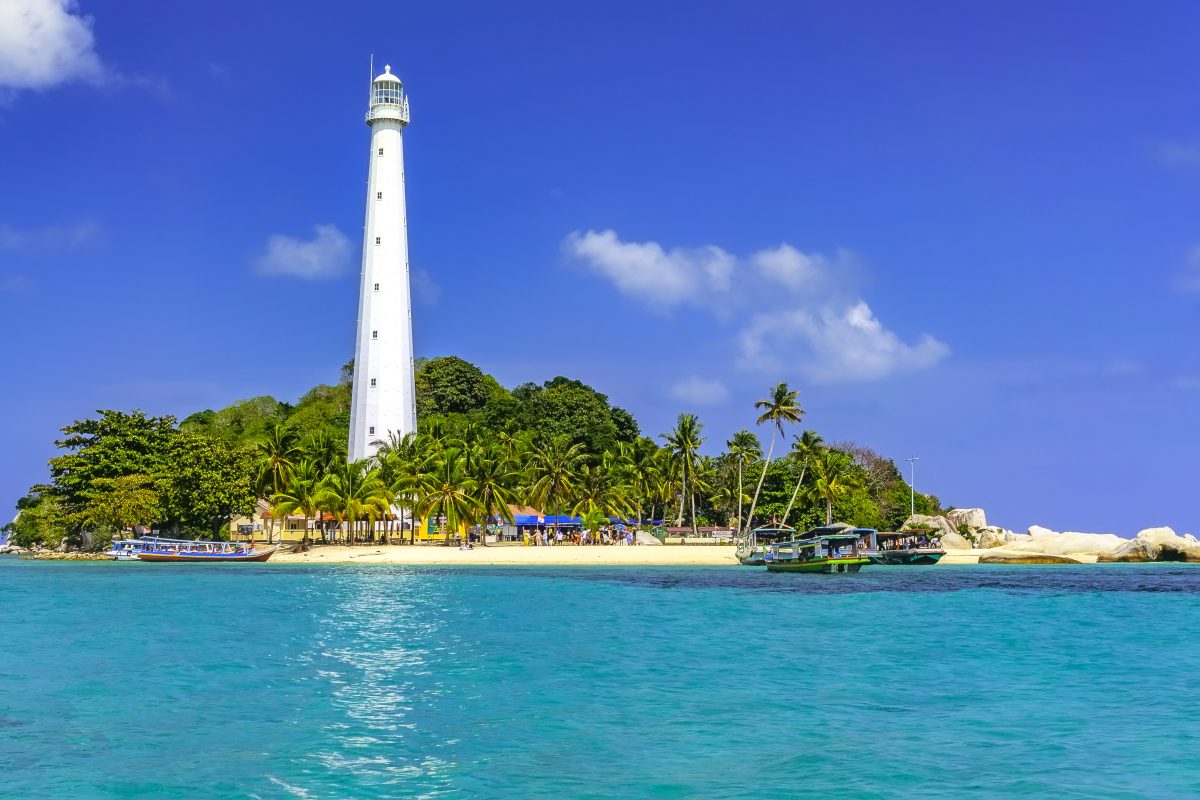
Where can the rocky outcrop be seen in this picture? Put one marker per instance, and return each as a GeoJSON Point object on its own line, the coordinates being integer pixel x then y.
{"type": "Point", "coordinates": [973, 518]}
{"type": "Point", "coordinates": [992, 537]}
{"type": "Point", "coordinates": [1155, 544]}
{"type": "Point", "coordinates": [1029, 558]}
{"type": "Point", "coordinates": [951, 539]}
{"type": "Point", "coordinates": [1045, 542]}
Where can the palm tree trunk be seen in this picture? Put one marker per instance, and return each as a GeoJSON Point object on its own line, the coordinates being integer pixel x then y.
{"type": "Point", "coordinates": [692, 495]}
{"type": "Point", "coordinates": [761, 478]}
{"type": "Point", "coordinates": [828, 511]}
{"type": "Point", "coordinates": [795, 492]}
{"type": "Point", "coordinates": [739, 517]}
{"type": "Point", "coordinates": [682, 494]}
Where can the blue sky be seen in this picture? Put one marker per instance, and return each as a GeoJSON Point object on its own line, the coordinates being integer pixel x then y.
{"type": "Point", "coordinates": [966, 231]}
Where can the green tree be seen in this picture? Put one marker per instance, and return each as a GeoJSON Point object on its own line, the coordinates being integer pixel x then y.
{"type": "Point", "coordinates": [782, 407]}
{"type": "Point", "coordinates": [834, 477]}
{"type": "Point", "coordinates": [353, 493]}
{"type": "Point", "coordinates": [41, 522]}
{"type": "Point", "coordinates": [114, 504]}
{"type": "Point", "coordinates": [447, 491]}
{"type": "Point", "coordinates": [113, 445]}
{"type": "Point", "coordinates": [745, 449]}
{"type": "Point", "coordinates": [274, 456]}
{"type": "Point", "coordinates": [300, 493]}
{"type": "Point", "coordinates": [553, 467]}
{"type": "Point", "coordinates": [205, 483]}
{"type": "Point", "coordinates": [684, 442]}
{"type": "Point", "coordinates": [495, 478]}
{"type": "Point", "coordinates": [804, 448]}
{"type": "Point", "coordinates": [449, 385]}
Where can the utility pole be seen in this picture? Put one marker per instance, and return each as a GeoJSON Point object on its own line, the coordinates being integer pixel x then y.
{"type": "Point", "coordinates": [912, 486]}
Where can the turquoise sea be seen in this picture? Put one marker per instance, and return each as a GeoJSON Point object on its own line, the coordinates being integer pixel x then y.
{"type": "Point", "coordinates": [138, 680]}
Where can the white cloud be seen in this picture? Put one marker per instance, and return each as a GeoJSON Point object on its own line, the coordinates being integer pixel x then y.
{"type": "Point", "coordinates": [700, 391]}
{"type": "Point", "coordinates": [799, 312]}
{"type": "Point", "coordinates": [647, 271]}
{"type": "Point", "coordinates": [1189, 279]}
{"type": "Point", "coordinates": [829, 345]}
{"type": "Point", "coordinates": [53, 237]}
{"type": "Point", "coordinates": [44, 43]}
{"type": "Point", "coordinates": [788, 266]}
{"type": "Point", "coordinates": [326, 255]}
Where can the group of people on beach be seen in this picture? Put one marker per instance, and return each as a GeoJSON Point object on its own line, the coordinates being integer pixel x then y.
{"type": "Point", "coordinates": [550, 537]}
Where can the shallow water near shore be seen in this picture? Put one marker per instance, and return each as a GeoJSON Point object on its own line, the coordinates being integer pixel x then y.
{"type": "Point", "coordinates": [138, 680]}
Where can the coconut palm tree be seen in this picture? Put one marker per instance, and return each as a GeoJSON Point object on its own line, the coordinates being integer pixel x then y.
{"type": "Point", "coordinates": [643, 459]}
{"type": "Point", "coordinates": [552, 469]}
{"type": "Point", "coordinates": [600, 489]}
{"type": "Point", "coordinates": [273, 458]}
{"type": "Point", "coordinates": [446, 490]}
{"type": "Point", "coordinates": [353, 492]}
{"type": "Point", "coordinates": [299, 494]}
{"type": "Point", "coordinates": [805, 446]}
{"type": "Point", "coordinates": [745, 449]}
{"type": "Point", "coordinates": [324, 450]}
{"type": "Point", "coordinates": [496, 478]}
{"type": "Point", "coordinates": [782, 407]}
{"type": "Point", "coordinates": [684, 443]}
{"type": "Point", "coordinates": [834, 478]}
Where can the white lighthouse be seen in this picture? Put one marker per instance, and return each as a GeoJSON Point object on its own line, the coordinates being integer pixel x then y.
{"type": "Point", "coordinates": [383, 399]}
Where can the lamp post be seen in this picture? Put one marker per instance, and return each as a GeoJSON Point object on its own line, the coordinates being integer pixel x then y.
{"type": "Point", "coordinates": [912, 486]}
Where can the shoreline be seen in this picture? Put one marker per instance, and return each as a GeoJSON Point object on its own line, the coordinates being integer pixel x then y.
{"type": "Point", "coordinates": [517, 556]}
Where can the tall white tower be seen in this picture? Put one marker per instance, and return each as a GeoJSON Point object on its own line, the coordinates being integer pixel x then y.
{"type": "Point", "coordinates": [383, 399]}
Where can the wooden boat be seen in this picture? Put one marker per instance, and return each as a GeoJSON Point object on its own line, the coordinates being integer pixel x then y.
{"type": "Point", "coordinates": [181, 551]}
{"type": "Point", "coordinates": [826, 550]}
{"type": "Point", "coordinates": [903, 548]}
{"type": "Point", "coordinates": [752, 549]}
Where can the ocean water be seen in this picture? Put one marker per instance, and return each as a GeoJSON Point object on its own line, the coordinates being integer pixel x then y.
{"type": "Point", "coordinates": [275, 681]}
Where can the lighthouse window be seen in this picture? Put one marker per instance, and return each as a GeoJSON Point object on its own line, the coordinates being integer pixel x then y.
{"type": "Point", "coordinates": [377, 239]}
{"type": "Point", "coordinates": [371, 430]}
{"type": "Point", "coordinates": [374, 334]}
{"type": "Point", "coordinates": [377, 287]}
{"type": "Point", "coordinates": [379, 195]}
{"type": "Point", "coordinates": [372, 382]}
{"type": "Point", "coordinates": [381, 151]}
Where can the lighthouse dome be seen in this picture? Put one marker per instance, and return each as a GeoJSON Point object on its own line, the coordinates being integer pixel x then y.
{"type": "Point", "coordinates": [387, 76]}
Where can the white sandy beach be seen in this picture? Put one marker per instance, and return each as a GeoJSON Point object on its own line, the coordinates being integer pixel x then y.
{"type": "Point", "coordinates": [507, 555]}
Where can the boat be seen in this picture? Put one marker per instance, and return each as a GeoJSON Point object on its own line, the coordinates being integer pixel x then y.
{"type": "Point", "coordinates": [157, 549]}
{"type": "Point", "coordinates": [903, 548]}
{"type": "Point", "coordinates": [832, 549]}
{"type": "Point", "coordinates": [206, 553]}
{"type": "Point", "coordinates": [752, 549]}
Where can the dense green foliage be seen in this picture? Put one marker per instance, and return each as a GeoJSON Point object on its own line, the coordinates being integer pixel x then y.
{"type": "Point", "coordinates": [560, 446]}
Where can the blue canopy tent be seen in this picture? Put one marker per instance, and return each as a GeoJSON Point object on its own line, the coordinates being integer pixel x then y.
{"type": "Point", "coordinates": [563, 521]}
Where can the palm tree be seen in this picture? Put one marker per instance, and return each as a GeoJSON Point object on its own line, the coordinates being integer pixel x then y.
{"type": "Point", "coordinates": [643, 459]}
{"type": "Point", "coordinates": [495, 478]}
{"type": "Point", "coordinates": [684, 442]}
{"type": "Point", "coordinates": [273, 459]}
{"type": "Point", "coordinates": [599, 489]}
{"type": "Point", "coordinates": [325, 450]}
{"type": "Point", "coordinates": [299, 493]}
{"type": "Point", "coordinates": [804, 448]}
{"type": "Point", "coordinates": [353, 492]}
{"type": "Point", "coordinates": [783, 406]}
{"type": "Point", "coordinates": [552, 470]}
{"type": "Point", "coordinates": [834, 478]}
{"type": "Point", "coordinates": [745, 449]}
{"type": "Point", "coordinates": [446, 490]}
{"type": "Point", "coordinates": [401, 460]}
